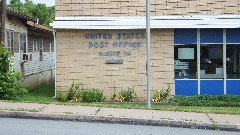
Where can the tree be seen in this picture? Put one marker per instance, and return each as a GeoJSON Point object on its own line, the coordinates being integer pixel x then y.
{"type": "Point", "coordinates": [10, 80]}
{"type": "Point", "coordinates": [43, 13]}
{"type": "Point", "coordinates": [28, 6]}
{"type": "Point", "coordinates": [16, 5]}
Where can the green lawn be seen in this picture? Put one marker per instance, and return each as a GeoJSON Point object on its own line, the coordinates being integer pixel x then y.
{"type": "Point", "coordinates": [45, 93]}
{"type": "Point", "coordinates": [42, 94]}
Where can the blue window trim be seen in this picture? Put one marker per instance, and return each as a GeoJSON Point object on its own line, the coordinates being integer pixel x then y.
{"type": "Point", "coordinates": [185, 36]}
{"type": "Point", "coordinates": [233, 35]}
{"type": "Point", "coordinates": [189, 36]}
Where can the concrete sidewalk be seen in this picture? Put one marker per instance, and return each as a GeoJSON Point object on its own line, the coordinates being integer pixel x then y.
{"type": "Point", "coordinates": [122, 116]}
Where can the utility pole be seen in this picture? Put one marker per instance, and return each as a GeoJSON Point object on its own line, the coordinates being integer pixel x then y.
{"type": "Point", "coordinates": [3, 18]}
{"type": "Point", "coordinates": [148, 52]}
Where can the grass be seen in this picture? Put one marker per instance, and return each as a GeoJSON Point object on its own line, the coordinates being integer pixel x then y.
{"type": "Point", "coordinates": [199, 109]}
{"type": "Point", "coordinates": [45, 93]}
{"type": "Point", "coordinates": [42, 94]}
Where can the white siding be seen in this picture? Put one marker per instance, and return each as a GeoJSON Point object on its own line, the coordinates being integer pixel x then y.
{"type": "Point", "coordinates": [35, 65]}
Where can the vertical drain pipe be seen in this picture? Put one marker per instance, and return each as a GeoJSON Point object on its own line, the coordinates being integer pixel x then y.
{"type": "Point", "coordinates": [55, 62]}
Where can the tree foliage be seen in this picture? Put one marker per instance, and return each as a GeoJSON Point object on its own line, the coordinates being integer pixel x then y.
{"type": "Point", "coordinates": [45, 14]}
{"type": "Point", "coordinates": [10, 86]}
{"type": "Point", "coordinates": [16, 5]}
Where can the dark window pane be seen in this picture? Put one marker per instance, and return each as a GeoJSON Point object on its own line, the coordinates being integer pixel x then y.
{"type": "Point", "coordinates": [233, 61]}
{"type": "Point", "coordinates": [211, 66]}
{"type": "Point", "coordinates": [185, 61]}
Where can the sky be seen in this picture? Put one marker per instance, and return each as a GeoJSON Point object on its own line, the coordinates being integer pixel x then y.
{"type": "Point", "coordinates": [47, 2]}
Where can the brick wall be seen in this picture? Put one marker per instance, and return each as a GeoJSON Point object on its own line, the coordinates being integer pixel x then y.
{"type": "Point", "coordinates": [137, 7]}
{"type": "Point", "coordinates": [79, 63]}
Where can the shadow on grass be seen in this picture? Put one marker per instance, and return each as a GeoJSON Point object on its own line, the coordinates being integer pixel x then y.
{"type": "Point", "coordinates": [42, 94]}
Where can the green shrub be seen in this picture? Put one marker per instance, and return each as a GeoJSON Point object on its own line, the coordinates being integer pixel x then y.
{"type": "Point", "coordinates": [79, 94]}
{"type": "Point", "coordinates": [71, 93]}
{"type": "Point", "coordinates": [114, 96]}
{"type": "Point", "coordinates": [161, 95]}
{"type": "Point", "coordinates": [90, 95]}
{"type": "Point", "coordinates": [62, 97]}
{"type": "Point", "coordinates": [207, 100]}
{"type": "Point", "coordinates": [10, 80]}
{"type": "Point", "coordinates": [128, 94]}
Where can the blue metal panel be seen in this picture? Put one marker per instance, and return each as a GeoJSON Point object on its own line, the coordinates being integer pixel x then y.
{"type": "Point", "coordinates": [233, 35]}
{"type": "Point", "coordinates": [211, 35]}
{"type": "Point", "coordinates": [211, 87]}
{"type": "Point", "coordinates": [233, 87]}
{"type": "Point", "coordinates": [186, 87]}
{"type": "Point", "coordinates": [185, 36]}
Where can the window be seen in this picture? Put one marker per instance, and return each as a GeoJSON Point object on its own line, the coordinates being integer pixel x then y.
{"type": "Point", "coordinates": [211, 54]}
{"type": "Point", "coordinates": [36, 46]}
{"type": "Point", "coordinates": [9, 40]}
{"type": "Point", "coordinates": [41, 51]}
{"type": "Point", "coordinates": [50, 47]}
{"type": "Point", "coordinates": [219, 72]}
{"type": "Point", "coordinates": [185, 53]}
{"type": "Point", "coordinates": [23, 43]}
{"type": "Point", "coordinates": [211, 66]}
{"type": "Point", "coordinates": [233, 61]}
{"type": "Point", "coordinates": [185, 61]}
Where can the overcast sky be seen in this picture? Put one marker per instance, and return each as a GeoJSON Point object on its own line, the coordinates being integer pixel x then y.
{"type": "Point", "coordinates": [47, 2]}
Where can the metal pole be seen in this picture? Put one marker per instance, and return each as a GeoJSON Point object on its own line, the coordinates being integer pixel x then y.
{"type": "Point", "coordinates": [3, 18]}
{"type": "Point", "coordinates": [148, 51]}
{"type": "Point", "coordinates": [198, 61]}
{"type": "Point", "coordinates": [224, 61]}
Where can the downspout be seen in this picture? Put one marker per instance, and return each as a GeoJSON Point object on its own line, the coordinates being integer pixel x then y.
{"type": "Point", "coordinates": [55, 52]}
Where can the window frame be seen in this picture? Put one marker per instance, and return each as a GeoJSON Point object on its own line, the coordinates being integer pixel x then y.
{"type": "Point", "coordinates": [23, 43]}
{"type": "Point", "coordinates": [9, 40]}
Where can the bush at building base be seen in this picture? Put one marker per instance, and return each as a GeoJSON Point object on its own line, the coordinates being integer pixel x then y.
{"type": "Point", "coordinates": [207, 100]}
{"type": "Point", "coordinates": [77, 93]}
{"type": "Point", "coordinates": [161, 95]}
{"type": "Point", "coordinates": [10, 80]}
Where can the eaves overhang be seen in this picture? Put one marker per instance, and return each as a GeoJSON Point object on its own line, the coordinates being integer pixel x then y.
{"type": "Point", "coordinates": [157, 22]}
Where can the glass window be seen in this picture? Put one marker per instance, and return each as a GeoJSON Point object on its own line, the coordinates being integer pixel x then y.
{"type": "Point", "coordinates": [23, 43]}
{"type": "Point", "coordinates": [211, 61]}
{"type": "Point", "coordinates": [35, 46]}
{"type": "Point", "coordinates": [185, 61]}
{"type": "Point", "coordinates": [233, 61]}
{"type": "Point", "coordinates": [41, 51]}
{"type": "Point", "coordinates": [9, 42]}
